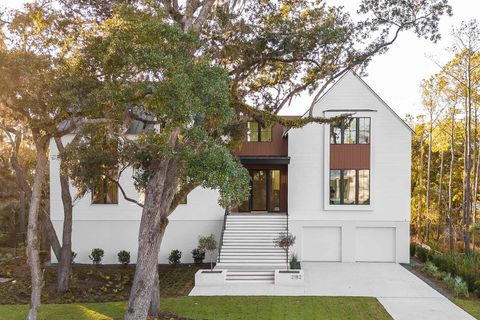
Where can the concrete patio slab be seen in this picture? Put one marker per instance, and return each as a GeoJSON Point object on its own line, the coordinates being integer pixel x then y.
{"type": "Point", "coordinates": [403, 294]}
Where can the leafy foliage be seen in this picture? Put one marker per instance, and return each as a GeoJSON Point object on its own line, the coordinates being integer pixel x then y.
{"type": "Point", "coordinates": [150, 65]}
{"type": "Point", "coordinates": [198, 256]}
{"type": "Point", "coordinates": [285, 240]}
{"type": "Point", "coordinates": [124, 257]}
{"type": "Point", "coordinates": [294, 263]}
{"type": "Point", "coordinates": [174, 257]}
{"type": "Point", "coordinates": [208, 244]}
{"type": "Point", "coordinates": [96, 256]}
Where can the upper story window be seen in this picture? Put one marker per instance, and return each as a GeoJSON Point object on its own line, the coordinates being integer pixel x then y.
{"type": "Point", "coordinates": [257, 133]}
{"type": "Point", "coordinates": [351, 131]}
{"type": "Point", "coordinates": [105, 192]}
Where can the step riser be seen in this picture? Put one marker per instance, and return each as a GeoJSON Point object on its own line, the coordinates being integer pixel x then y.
{"type": "Point", "coordinates": [249, 241]}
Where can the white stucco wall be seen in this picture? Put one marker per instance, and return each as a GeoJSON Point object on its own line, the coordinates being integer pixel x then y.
{"type": "Point", "coordinates": [389, 175]}
{"type": "Point", "coordinates": [114, 227]}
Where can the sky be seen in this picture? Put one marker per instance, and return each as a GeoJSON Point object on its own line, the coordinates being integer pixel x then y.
{"type": "Point", "coordinates": [396, 75]}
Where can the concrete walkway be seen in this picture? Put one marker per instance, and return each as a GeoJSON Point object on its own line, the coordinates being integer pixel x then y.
{"type": "Point", "coordinates": [404, 296]}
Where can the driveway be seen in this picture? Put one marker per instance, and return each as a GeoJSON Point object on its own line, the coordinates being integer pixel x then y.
{"type": "Point", "coordinates": [404, 296]}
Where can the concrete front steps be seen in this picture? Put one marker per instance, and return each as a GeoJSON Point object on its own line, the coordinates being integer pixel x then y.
{"type": "Point", "coordinates": [248, 250]}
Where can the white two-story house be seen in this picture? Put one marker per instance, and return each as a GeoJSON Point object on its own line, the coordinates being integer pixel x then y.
{"type": "Point", "coordinates": [342, 190]}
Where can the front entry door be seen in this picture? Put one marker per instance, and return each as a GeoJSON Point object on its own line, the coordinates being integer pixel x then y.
{"type": "Point", "coordinates": [265, 191]}
{"type": "Point", "coordinates": [259, 190]}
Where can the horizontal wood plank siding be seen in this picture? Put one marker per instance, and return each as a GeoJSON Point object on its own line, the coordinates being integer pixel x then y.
{"type": "Point", "coordinates": [277, 147]}
{"type": "Point", "coordinates": [349, 156]}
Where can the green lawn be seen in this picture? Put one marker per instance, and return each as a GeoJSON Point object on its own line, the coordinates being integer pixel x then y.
{"type": "Point", "coordinates": [331, 308]}
{"type": "Point", "coordinates": [471, 306]}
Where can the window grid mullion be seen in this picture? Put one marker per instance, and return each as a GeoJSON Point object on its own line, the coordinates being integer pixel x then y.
{"type": "Point", "coordinates": [357, 186]}
{"type": "Point", "coordinates": [342, 187]}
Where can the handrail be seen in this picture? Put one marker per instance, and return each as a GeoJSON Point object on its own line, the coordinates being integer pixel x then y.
{"type": "Point", "coordinates": [288, 247]}
{"type": "Point", "coordinates": [223, 231]}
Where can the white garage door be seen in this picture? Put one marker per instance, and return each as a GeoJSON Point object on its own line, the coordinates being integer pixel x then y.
{"type": "Point", "coordinates": [375, 244]}
{"type": "Point", "coordinates": [322, 244]}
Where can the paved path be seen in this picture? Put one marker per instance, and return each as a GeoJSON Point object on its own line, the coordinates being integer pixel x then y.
{"type": "Point", "coordinates": [404, 295]}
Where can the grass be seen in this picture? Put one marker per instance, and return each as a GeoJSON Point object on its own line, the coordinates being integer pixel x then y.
{"type": "Point", "coordinates": [471, 306]}
{"type": "Point", "coordinates": [218, 308]}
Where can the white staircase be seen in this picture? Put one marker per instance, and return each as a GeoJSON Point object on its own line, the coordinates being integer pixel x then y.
{"type": "Point", "coordinates": [248, 250]}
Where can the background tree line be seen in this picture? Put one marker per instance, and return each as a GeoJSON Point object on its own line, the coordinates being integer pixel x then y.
{"type": "Point", "coordinates": [446, 150]}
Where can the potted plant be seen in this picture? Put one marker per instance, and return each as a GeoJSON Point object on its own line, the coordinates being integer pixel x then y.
{"type": "Point", "coordinates": [208, 244]}
{"type": "Point", "coordinates": [285, 240]}
{"type": "Point", "coordinates": [288, 277]}
{"type": "Point", "coordinates": [294, 263]}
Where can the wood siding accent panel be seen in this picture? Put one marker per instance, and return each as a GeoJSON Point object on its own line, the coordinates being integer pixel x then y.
{"type": "Point", "coordinates": [277, 147]}
{"type": "Point", "coordinates": [349, 156]}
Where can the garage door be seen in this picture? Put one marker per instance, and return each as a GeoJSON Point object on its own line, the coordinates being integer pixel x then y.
{"type": "Point", "coordinates": [322, 244]}
{"type": "Point", "coordinates": [375, 244]}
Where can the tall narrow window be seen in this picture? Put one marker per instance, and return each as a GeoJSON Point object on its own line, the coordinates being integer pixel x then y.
{"type": "Point", "coordinates": [252, 134]}
{"type": "Point", "coordinates": [363, 130]}
{"type": "Point", "coordinates": [336, 133]}
{"type": "Point", "coordinates": [363, 186]}
{"type": "Point", "coordinates": [349, 182]}
{"type": "Point", "coordinates": [266, 134]}
{"type": "Point", "coordinates": [105, 192]}
{"type": "Point", "coordinates": [350, 131]}
{"type": "Point", "coordinates": [274, 190]}
{"type": "Point", "coordinates": [335, 186]}
{"type": "Point", "coordinates": [350, 187]}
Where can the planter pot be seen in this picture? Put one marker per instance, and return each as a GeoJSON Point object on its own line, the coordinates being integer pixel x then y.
{"type": "Point", "coordinates": [289, 278]}
{"type": "Point", "coordinates": [205, 278]}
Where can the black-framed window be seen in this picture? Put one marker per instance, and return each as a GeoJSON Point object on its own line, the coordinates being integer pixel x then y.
{"type": "Point", "coordinates": [105, 192]}
{"type": "Point", "coordinates": [354, 130]}
{"type": "Point", "coordinates": [349, 187]}
{"type": "Point", "coordinates": [265, 191]}
{"type": "Point", "coordinates": [257, 133]}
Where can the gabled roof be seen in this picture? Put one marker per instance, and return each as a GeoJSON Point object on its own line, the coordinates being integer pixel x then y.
{"type": "Point", "coordinates": [373, 92]}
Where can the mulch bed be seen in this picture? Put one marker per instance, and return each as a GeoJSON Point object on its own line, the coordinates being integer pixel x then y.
{"type": "Point", "coordinates": [104, 283]}
{"type": "Point", "coordinates": [416, 266]}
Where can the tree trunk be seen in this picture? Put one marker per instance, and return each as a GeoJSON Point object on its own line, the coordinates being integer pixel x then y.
{"type": "Point", "coordinates": [154, 310]}
{"type": "Point", "coordinates": [450, 184]}
{"type": "Point", "coordinates": [468, 163]}
{"type": "Point", "coordinates": [22, 214]}
{"type": "Point", "coordinates": [441, 216]}
{"type": "Point", "coordinates": [51, 234]}
{"type": "Point", "coordinates": [420, 209]}
{"type": "Point", "coordinates": [159, 194]}
{"type": "Point", "coordinates": [429, 163]}
{"type": "Point", "coordinates": [32, 232]}
{"type": "Point", "coordinates": [65, 261]}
